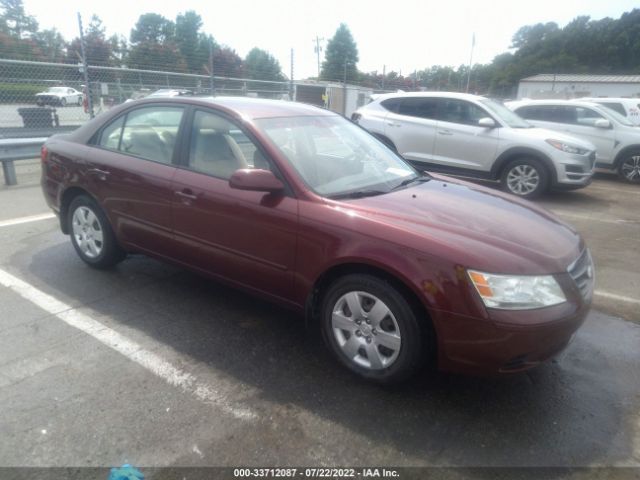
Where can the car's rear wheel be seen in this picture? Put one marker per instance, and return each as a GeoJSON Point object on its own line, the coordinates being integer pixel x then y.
{"type": "Point", "coordinates": [629, 167]}
{"type": "Point", "coordinates": [525, 177]}
{"type": "Point", "coordinates": [92, 235]}
{"type": "Point", "coordinates": [63, 102]}
{"type": "Point", "coordinates": [372, 329]}
{"type": "Point", "coordinates": [79, 101]}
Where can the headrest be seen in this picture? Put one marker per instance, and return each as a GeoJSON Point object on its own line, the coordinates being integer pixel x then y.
{"type": "Point", "coordinates": [211, 122]}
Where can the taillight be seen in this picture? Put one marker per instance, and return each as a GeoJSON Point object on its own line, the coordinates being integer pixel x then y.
{"type": "Point", "coordinates": [44, 153]}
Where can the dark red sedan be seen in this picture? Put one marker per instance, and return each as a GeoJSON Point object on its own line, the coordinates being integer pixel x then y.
{"type": "Point", "coordinates": [298, 205]}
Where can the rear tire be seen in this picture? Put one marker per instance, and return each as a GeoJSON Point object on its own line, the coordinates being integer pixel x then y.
{"type": "Point", "coordinates": [629, 167]}
{"type": "Point", "coordinates": [525, 178]}
{"type": "Point", "coordinates": [92, 235]}
{"type": "Point", "coordinates": [381, 340]}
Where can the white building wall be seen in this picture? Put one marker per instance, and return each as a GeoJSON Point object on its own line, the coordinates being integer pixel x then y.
{"type": "Point", "coordinates": [572, 90]}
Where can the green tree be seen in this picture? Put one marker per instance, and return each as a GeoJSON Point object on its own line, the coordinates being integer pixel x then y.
{"type": "Point", "coordinates": [227, 63]}
{"type": "Point", "coordinates": [152, 28]}
{"type": "Point", "coordinates": [341, 50]}
{"type": "Point", "coordinates": [51, 44]}
{"type": "Point", "coordinates": [97, 47]}
{"type": "Point", "coordinates": [14, 21]}
{"type": "Point", "coordinates": [192, 43]}
{"type": "Point", "coordinates": [153, 45]}
{"type": "Point", "coordinates": [261, 65]}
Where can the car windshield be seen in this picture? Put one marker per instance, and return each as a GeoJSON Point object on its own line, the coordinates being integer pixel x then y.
{"type": "Point", "coordinates": [616, 116]}
{"type": "Point", "coordinates": [335, 157]}
{"type": "Point", "coordinates": [510, 118]}
{"type": "Point", "coordinates": [57, 90]}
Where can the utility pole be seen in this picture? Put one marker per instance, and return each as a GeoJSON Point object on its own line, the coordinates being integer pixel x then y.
{"type": "Point", "coordinates": [344, 89]}
{"type": "Point", "coordinates": [211, 79]}
{"type": "Point", "coordinates": [291, 89]}
{"type": "Point", "coordinates": [85, 69]}
{"type": "Point", "coordinates": [473, 44]}
{"type": "Point", "coordinates": [317, 49]}
{"type": "Point", "coordinates": [384, 74]}
{"type": "Point", "coordinates": [415, 79]}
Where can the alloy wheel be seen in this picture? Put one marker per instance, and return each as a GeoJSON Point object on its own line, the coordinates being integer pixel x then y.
{"type": "Point", "coordinates": [523, 179]}
{"type": "Point", "coordinates": [630, 168]}
{"type": "Point", "coordinates": [87, 232]}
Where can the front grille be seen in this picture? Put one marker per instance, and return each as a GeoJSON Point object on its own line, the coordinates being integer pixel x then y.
{"type": "Point", "coordinates": [583, 273]}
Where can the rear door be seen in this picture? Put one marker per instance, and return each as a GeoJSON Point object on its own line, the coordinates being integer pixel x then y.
{"type": "Point", "coordinates": [460, 142]}
{"type": "Point", "coordinates": [412, 127]}
{"type": "Point", "coordinates": [242, 236]}
{"type": "Point", "coordinates": [130, 168]}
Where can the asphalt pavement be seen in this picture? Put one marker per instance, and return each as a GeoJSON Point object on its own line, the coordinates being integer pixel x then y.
{"type": "Point", "coordinates": [152, 365]}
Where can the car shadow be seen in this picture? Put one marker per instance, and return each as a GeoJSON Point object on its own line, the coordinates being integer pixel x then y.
{"type": "Point", "coordinates": [561, 414]}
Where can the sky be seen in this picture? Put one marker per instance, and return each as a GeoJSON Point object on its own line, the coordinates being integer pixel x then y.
{"type": "Point", "coordinates": [403, 35]}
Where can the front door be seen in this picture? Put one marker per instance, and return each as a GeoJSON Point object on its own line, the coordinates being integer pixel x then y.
{"type": "Point", "coordinates": [246, 237]}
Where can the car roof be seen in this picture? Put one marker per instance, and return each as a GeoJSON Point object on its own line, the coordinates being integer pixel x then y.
{"type": "Point", "coordinates": [458, 95]}
{"type": "Point", "coordinates": [249, 108]}
{"type": "Point", "coordinates": [551, 101]}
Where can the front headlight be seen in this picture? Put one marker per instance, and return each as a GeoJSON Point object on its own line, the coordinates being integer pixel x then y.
{"type": "Point", "coordinates": [567, 147]}
{"type": "Point", "coordinates": [517, 292]}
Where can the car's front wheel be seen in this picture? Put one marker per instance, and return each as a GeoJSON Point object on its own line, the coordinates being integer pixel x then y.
{"type": "Point", "coordinates": [92, 235]}
{"type": "Point", "coordinates": [629, 168]}
{"type": "Point", "coordinates": [525, 177]}
{"type": "Point", "coordinates": [372, 329]}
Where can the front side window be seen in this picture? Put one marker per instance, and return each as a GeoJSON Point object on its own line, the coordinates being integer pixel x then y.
{"type": "Point", "coordinates": [335, 157]}
{"type": "Point", "coordinates": [587, 117]}
{"type": "Point", "coordinates": [218, 148]}
{"type": "Point", "coordinates": [148, 132]}
{"type": "Point", "coordinates": [460, 111]}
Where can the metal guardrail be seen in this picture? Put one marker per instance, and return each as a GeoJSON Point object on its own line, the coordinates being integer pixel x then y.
{"type": "Point", "coordinates": [13, 149]}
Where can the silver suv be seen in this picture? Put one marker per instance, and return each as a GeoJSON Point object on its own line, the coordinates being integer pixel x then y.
{"type": "Point", "coordinates": [474, 136]}
{"type": "Point", "coordinates": [616, 138]}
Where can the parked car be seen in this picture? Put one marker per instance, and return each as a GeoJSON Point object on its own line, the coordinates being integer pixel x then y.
{"type": "Point", "coordinates": [59, 96]}
{"type": "Point", "coordinates": [477, 137]}
{"type": "Point", "coordinates": [617, 140]}
{"type": "Point", "coordinates": [627, 107]}
{"type": "Point", "coordinates": [300, 206]}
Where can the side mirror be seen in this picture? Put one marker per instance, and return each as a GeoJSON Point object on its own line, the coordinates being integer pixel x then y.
{"type": "Point", "coordinates": [487, 122]}
{"type": "Point", "coordinates": [256, 180]}
{"type": "Point", "coordinates": [602, 123]}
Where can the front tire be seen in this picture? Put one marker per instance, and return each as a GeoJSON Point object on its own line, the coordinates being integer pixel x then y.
{"type": "Point", "coordinates": [525, 178]}
{"type": "Point", "coordinates": [371, 329]}
{"type": "Point", "coordinates": [92, 235]}
{"type": "Point", "coordinates": [629, 168]}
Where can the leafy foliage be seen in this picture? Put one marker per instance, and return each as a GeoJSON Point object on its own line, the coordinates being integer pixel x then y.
{"type": "Point", "coordinates": [341, 57]}
{"type": "Point", "coordinates": [261, 65]}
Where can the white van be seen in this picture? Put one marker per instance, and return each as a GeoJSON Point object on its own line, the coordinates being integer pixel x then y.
{"type": "Point", "coordinates": [629, 107]}
{"type": "Point", "coordinates": [617, 139]}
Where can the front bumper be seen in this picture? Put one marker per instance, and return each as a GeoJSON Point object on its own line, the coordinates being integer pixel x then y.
{"type": "Point", "coordinates": [575, 171]}
{"type": "Point", "coordinates": [509, 341]}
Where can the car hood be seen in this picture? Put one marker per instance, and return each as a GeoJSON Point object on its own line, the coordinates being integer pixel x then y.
{"type": "Point", "coordinates": [544, 134]}
{"type": "Point", "coordinates": [472, 226]}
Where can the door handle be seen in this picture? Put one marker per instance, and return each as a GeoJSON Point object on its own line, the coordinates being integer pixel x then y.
{"type": "Point", "coordinates": [445, 132]}
{"type": "Point", "coordinates": [101, 174]}
{"type": "Point", "coordinates": [186, 194]}
{"type": "Point", "coordinates": [391, 124]}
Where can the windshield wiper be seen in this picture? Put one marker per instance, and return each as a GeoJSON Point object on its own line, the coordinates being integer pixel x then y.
{"type": "Point", "coordinates": [418, 178]}
{"type": "Point", "coordinates": [358, 194]}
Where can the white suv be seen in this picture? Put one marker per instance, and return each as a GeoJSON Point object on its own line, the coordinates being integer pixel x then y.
{"type": "Point", "coordinates": [627, 107]}
{"type": "Point", "coordinates": [475, 136]}
{"type": "Point", "coordinates": [616, 138]}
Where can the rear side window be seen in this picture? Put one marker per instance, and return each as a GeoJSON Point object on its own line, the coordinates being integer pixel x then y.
{"type": "Point", "coordinates": [548, 113]}
{"type": "Point", "coordinates": [148, 132]}
{"type": "Point", "coordinates": [615, 106]}
{"type": "Point", "coordinates": [391, 104]}
{"type": "Point", "coordinates": [418, 107]}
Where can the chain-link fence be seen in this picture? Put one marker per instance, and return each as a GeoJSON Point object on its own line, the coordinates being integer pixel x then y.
{"type": "Point", "coordinates": [42, 98]}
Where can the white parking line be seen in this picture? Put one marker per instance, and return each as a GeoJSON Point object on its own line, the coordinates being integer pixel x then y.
{"type": "Point", "coordinates": [121, 344]}
{"type": "Point", "coordinates": [613, 296]}
{"type": "Point", "coordinates": [612, 221]}
{"type": "Point", "coordinates": [30, 218]}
